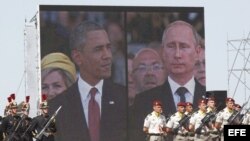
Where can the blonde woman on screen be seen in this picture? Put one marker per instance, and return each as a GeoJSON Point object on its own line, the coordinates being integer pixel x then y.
{"type": "Point", "coordinates": [58, 73]}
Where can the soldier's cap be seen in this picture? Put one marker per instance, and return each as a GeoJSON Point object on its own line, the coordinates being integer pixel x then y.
{"type": "Point", "coordinates": [157, 103]}
{"type": "Point", "coordinates": [202, 101]}
{"type": "Point", "coordinates": [189, 104]}
{"type": "Point", "coordinates": [59, 60]}
{"type": "Point", "coordinates": [181, 104]}
{"type": "Point", "coordinates": [211, 98]}
{"type": "Point", "coordinates": [44, 103]}
{"type": "Point", "coordinates": [9, 99]}
{"type": "Point", "coordinates": [237, 105]}
{"type": "Point", "coordinates": [229, 99]}
{"type": "Point", "coordinates": [13, 97]}
{"type": "Point", "coordinates": [27, 99]}
{"type": "Point", "coordinates": [25, 105]}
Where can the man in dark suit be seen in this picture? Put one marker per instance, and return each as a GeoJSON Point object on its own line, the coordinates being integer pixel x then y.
{"type": "Point", "coordinates": [180, 48]}
{"type": "Point", "coordinates": [93, 108]}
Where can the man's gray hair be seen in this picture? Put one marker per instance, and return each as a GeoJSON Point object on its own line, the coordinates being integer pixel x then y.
{"type": "Point", "coordinates": [79, 33]}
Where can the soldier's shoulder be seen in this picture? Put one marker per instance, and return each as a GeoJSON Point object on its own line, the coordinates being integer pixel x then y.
{"type": "Point", "coordinates": [222, 111]}
{"type": "Point", "coordinates": [162, 116]}
{"type": "Point", "coordinates": [172, 116]}
{"type": "Point", "coordinates": [149, 115]}
{"type": "Point", "coordinates": [194, 114]}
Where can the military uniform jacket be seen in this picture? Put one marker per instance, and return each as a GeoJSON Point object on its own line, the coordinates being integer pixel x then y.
{"type": "Point", "coordinates": [246, 119]}
{"type": "Point", "coordinates": [223, 116]}
{"type": "Point", "coordinates": [196, 121]}
{"type": "Point", "coordinates": [9, 125]}
{"type": "Point", "coordinates": [37, 125]}
{"type": "Point", "coordinates": [174, 122]}
{"type": "Point", "coordinates": [26, 135]}
{"type": "Point", "coordinates": [154, 123]}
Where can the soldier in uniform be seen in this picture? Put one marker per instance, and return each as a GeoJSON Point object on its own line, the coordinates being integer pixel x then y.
{"type": "Point", "coordinates": [196, 124]}
{"type": "Point", "coordinates": [211, 104]}
{"type": "Point", "coordinates": [11, 123]}
{"type": "Point", "coordinates": [155, 123]}
{"type": "Point", "coordinates": [246, 119]}
{"type": "Point", "coordinates": [7, 110]}
{"type": "Point", "coordinates": [188, 112]}
{"type": "Point", "coordinates": [237, 108]}
{"type": "Point", "coordinates": [224, 115]}
{"type": "Point", "coordinates": [39, 122]}
{"type": "Point", "coordinates": [211, 109]}
{"type": "Point", "coordinates": [179, 131]}
{"type": "Point", "coordinates": [188, 108]}
{"type": "Point", "coordinates": [26, 135]}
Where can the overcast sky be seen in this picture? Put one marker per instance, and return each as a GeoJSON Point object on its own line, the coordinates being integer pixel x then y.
{"type": "Point", "coordinates": [224, 20]}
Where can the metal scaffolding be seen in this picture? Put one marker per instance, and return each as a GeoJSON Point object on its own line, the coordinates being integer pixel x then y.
{"type": "Point", "coordinates": [238, 52]}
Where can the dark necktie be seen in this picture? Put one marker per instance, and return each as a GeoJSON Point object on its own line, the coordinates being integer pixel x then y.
{"type": "Point", "coordinates": [94, 116]}
{"type": "Point", "coordinates": [181, 92]}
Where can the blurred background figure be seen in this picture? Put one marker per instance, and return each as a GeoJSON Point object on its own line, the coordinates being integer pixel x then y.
{"type": "Point", "coordinates": [117, 40]}
{"type": "Point", "coordinates": [148, 70]}
{"type": "Point", "coordinates": [200, 65]}
{"type": "Point", "coordinates": [58, 73]}
{"type": "Point", "coordinates": [237, 107]}
{"type": "Point", "coordinates": [131, 85]}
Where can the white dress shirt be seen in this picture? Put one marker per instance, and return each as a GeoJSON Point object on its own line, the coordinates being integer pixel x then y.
{"type": "Point", "coordinates": [84, 89]}
{"type": "Point", "coordinates": [190, 86]}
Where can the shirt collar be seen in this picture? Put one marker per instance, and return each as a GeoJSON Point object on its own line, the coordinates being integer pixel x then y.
{"type": "Point", "coordinates": [201, 112]}
{"type": "Point", "coordinates": [229, 110]}
{"type": "Point", "coordinates": [180, 114]}
{"type": "Point", "coordinates": [156, 114]}
{"type": "Point", "coordinates": [84, 87]}
{"type": "Point", "coordinates": [190, 85]}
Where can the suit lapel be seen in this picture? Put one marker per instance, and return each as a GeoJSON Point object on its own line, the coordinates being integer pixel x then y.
{"type": "Point", "coordinates": [198, 93]}
{"type": "Point", "coordinates": [76, 108]}
{"type": "Point", "coordinates": [106, 98]}
{"type": "Point", "coordinates": [169, 100]}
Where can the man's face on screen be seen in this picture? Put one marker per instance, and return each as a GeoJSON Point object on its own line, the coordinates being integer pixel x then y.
{"type": "Point", "coordinates": [180, 50]}
{"type": "Point", "coordinates": [95, 56]}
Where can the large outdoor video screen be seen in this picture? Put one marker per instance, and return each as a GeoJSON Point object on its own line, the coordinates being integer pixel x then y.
{"type": "Point", "coordinates": [133, 56]}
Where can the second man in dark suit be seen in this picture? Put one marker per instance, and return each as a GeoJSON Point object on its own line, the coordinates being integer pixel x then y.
{"type": "Point", "coordinates": [180, 49]}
